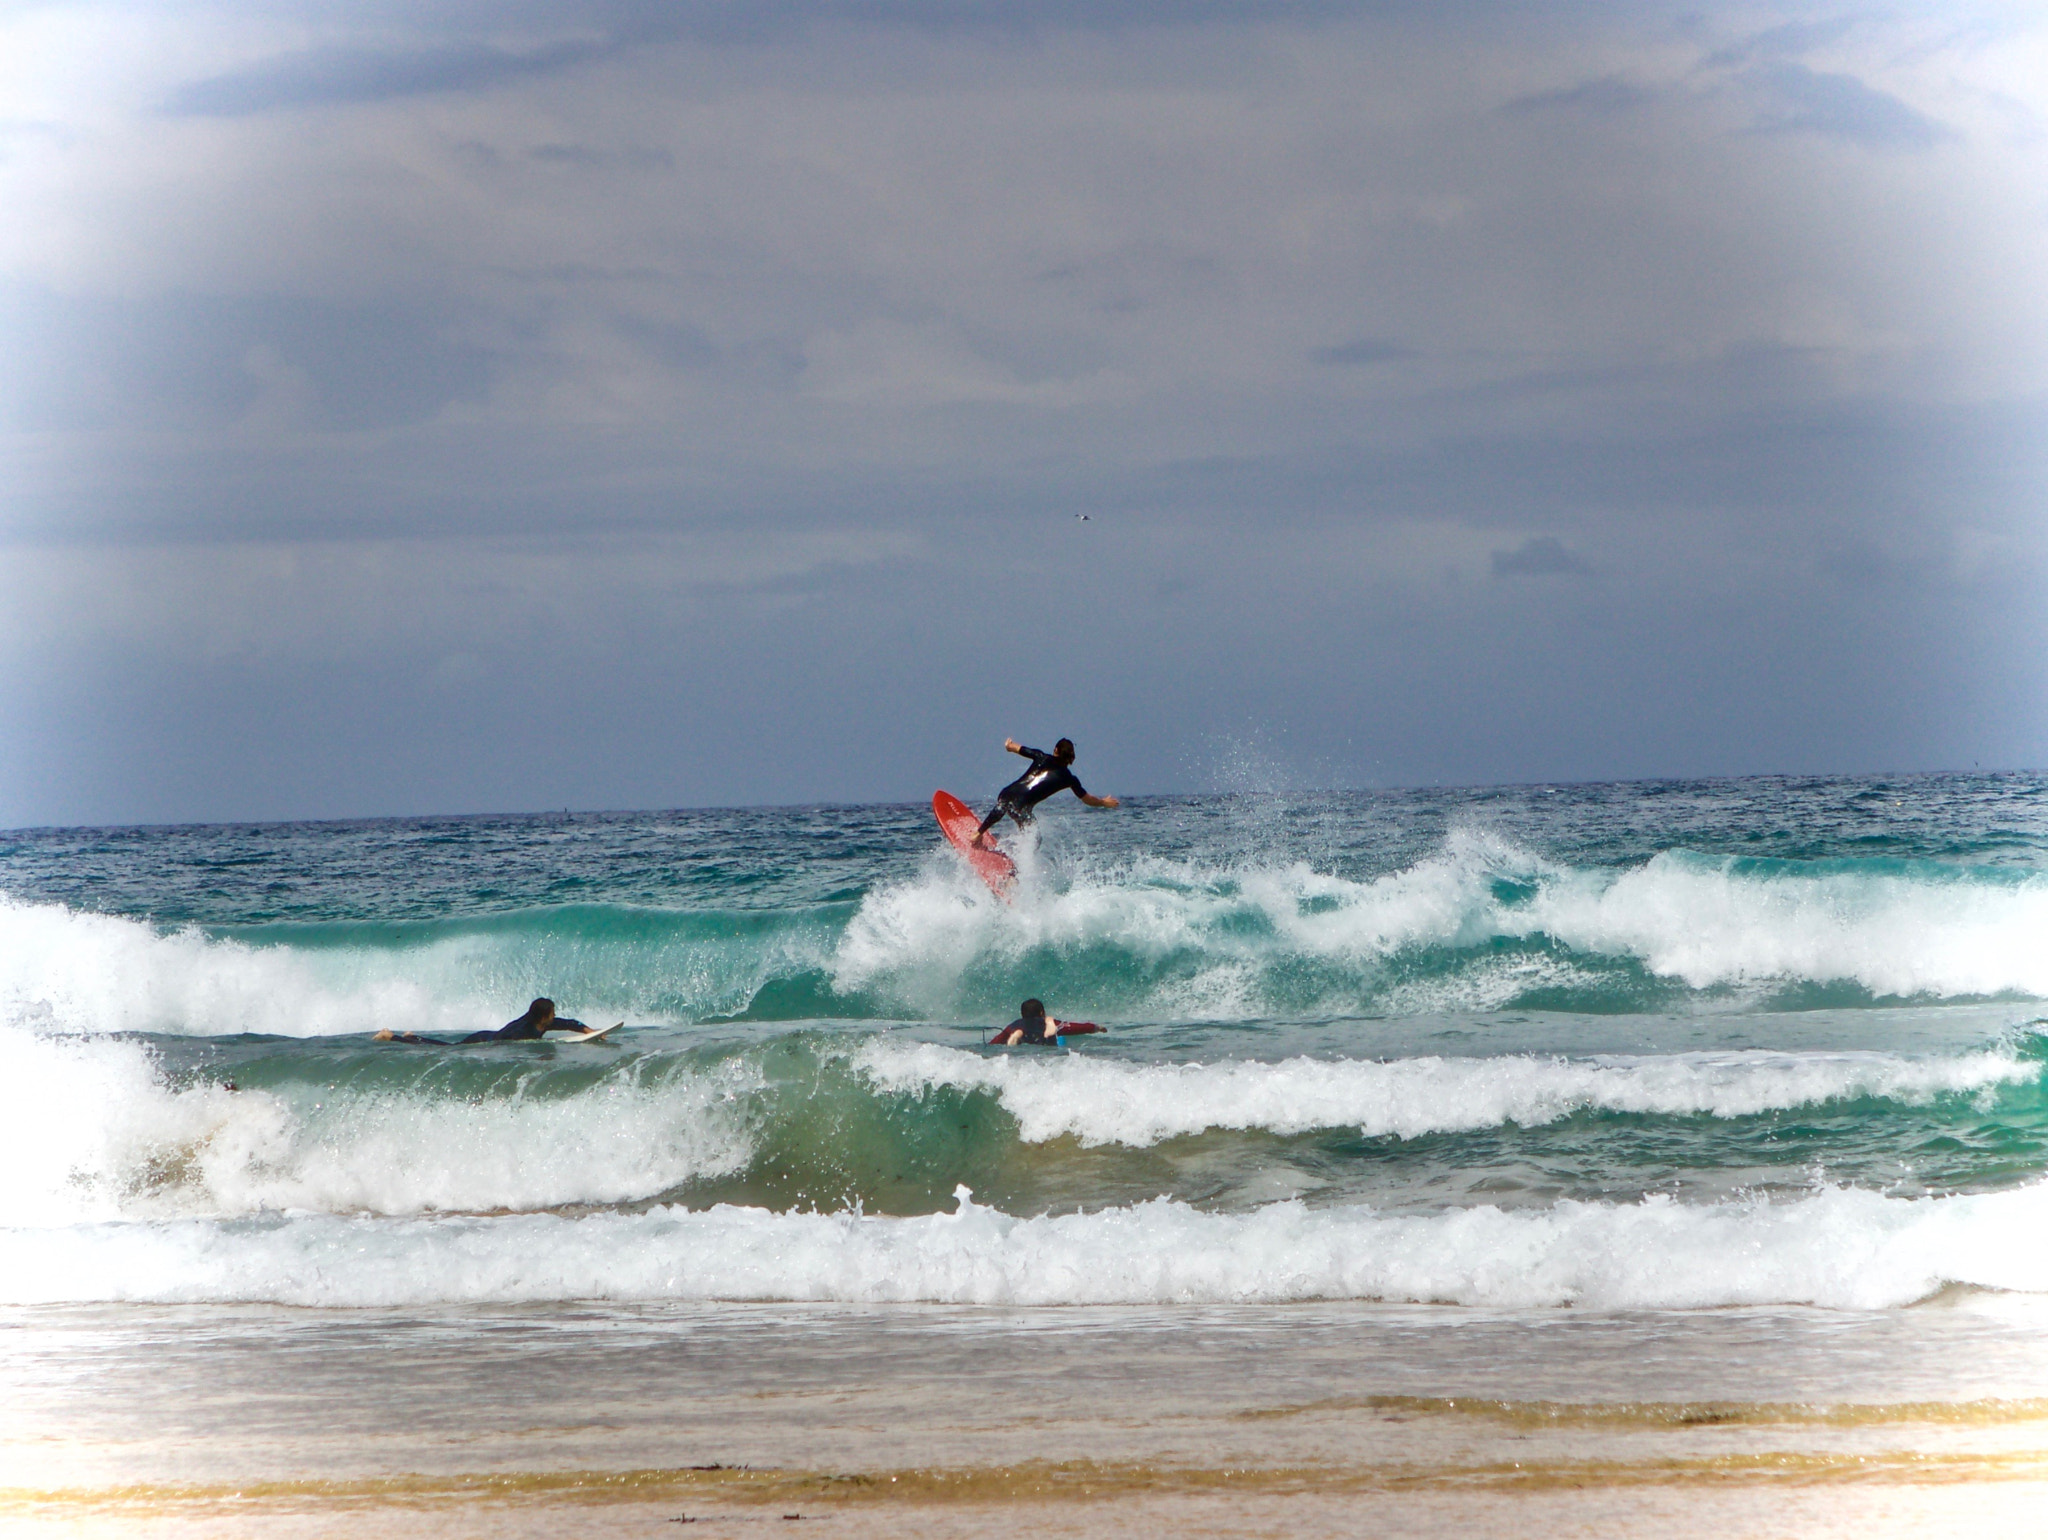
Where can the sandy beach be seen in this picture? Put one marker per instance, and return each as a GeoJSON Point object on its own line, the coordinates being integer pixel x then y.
{"type": "Point", "coordinates": [1069, 1422]}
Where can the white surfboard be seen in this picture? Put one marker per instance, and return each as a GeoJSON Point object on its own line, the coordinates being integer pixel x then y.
{"type": "Point", "coordinates": [591, 1037]}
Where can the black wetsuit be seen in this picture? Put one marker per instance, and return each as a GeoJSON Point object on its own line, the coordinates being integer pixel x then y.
{"type": "Point", "coordinates": [524, 1031]}
{"type": "Point", "coordinates": [1047, 777]}
{"type": "Point", "coordinates": [520, 1031]}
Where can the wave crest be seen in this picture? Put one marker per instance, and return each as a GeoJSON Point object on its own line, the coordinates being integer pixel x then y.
{"type": "Point", "coordinates": [1481, 925]}
{"type": "Point", "coordinates": [1098, 1101]}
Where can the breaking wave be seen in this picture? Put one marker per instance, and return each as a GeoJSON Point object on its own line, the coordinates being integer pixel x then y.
{"type": "Point", "coordinates": [1843, 1249]}
{"type": "Point", "coordinates": [1480, 926]}
{"type": "Point", "coordinates": [1108, 1102]}
{"type": "Point", "coordinates": [96, 1129]}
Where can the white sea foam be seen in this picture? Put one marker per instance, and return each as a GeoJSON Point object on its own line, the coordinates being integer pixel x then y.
{"type": "Point", "coordinates": [89, 1131]}
{"type": "Point", "coordinates": [69, 1109]}
{"type": "Point", "coordinates": [1180, 941]}
{"type": "Point", "coordinates": [1104, 1101]}
{"type": "Point", "coordinates": [1702, 923]}
{"type": "Point", "coordinates": [1838, 1248]}
{"type": "Point", "coordinates": [66, 971]}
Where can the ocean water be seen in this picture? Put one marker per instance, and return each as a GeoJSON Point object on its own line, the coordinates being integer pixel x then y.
{"type": "Point", "coordinates": [1645, 1045]}
{"type": "Point", "coordinates": [1686, 1054]}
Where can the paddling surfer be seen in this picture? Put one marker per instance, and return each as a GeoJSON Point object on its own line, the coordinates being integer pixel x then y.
{"type": "Point", "coordinates": [1034, 1028]}
{"type": "Point", "coordinates": [540, 1019]}
{"type": "Point", "coordinates": [1049, 775]}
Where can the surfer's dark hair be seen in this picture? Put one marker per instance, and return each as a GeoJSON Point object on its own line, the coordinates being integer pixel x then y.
{"type": "Point", "coordinates": [539, 1008]}
{"type": "Point", "coordinates": [1031, 1008]}
{"type": "Point", "coordinates": [1063, 751]}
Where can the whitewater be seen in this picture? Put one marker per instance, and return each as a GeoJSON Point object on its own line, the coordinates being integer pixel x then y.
{"type": "Point", "coordinates": [1672, 1046]}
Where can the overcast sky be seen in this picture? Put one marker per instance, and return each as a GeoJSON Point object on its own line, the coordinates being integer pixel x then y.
{"type": "Point", "coordinates": [464, 407]}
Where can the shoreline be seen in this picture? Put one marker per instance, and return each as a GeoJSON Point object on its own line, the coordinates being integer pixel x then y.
{"type": "Point", "coordinates": [1768, 1493]}
{"type": "Point", "coordinates": [597, 1420]}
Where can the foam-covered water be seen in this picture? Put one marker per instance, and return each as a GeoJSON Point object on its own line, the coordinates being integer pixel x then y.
{"type": "Point", "coordinates": [1840, 1248]}
{"type": "Point", "coordinates": [1657, 1046]}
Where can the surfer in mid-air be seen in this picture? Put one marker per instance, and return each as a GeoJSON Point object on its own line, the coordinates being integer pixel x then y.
{"type": "Point", "coordinates": [1034, 1027]}
{"type": "Point", "coordinates": [1049, 775]}
{"type": "Point", "coordinates": [540, 1019]}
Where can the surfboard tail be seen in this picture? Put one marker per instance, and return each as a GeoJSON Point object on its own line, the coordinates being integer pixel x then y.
{"type": "Point", "coordinates": [958, 823]}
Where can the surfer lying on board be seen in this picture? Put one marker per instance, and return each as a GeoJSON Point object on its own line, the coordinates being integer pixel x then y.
{"type": "Point", "coordinates": [1048, 776]}
{"type": "Point", "coordinates": [539, 1020]}
{"type": "Point", "coordinates": [1033, 1026]}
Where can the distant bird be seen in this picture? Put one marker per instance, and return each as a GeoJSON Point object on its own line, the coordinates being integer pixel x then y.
{"type": "Point", "coordinates": [1082, 517]}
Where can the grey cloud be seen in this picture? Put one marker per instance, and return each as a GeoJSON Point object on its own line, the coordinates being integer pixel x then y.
{"type": "Point", "coordinates": [1364, 350]}
{"type": "Point", "coordinates": [338, 76]}
{"type": "Point", "coordinates": [1538, 556]}
{"type": "Point", "coordinates": [342, 75]}
{"type": "Point", "coordinates": [580, 274]}
{"type": "Point", "coordinates": [1788, 40]}
{"type": "Point", "coordinates": [30, 129]}
{"type": "Point", "coordinates": [193, 361]}
{"type": "Point", "coordinates": [1800, 472]}
{"type": "Point", "coordinates": [632, 158]}
{"type": "Point", "coordinates": [677, 344]}
{"type": "Point", "coordinates": [1316, 332]}
{"type": "Point", "coordinates": [1801, 100]}
{"type": "Point", "coordinates": [1860, 559]}
{"type": "Point", "coordinates": [1740, 378]}
{"type": "Point", "coordinates": [1607, 94]}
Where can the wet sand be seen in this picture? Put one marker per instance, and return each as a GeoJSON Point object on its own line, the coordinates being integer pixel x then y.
{"type": "Point", "coordinates": [600, 1421]}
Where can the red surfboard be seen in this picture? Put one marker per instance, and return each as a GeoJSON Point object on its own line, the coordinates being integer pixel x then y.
{"type": "Point", "coordinates": [958, 823]}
